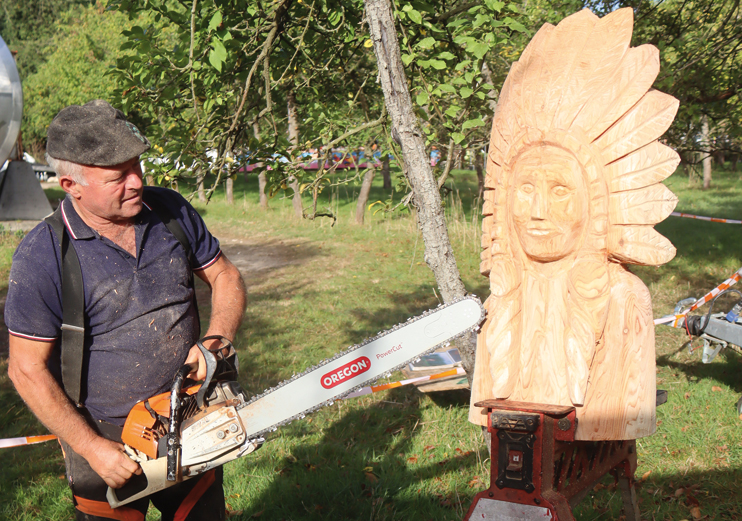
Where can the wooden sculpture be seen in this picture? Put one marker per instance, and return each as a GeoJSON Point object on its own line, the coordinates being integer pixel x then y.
{"type": "Point", "coordinates": [573, 190]}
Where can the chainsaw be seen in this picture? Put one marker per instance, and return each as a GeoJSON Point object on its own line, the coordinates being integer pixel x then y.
{"type": "Point", "coordinates": [178, 435]}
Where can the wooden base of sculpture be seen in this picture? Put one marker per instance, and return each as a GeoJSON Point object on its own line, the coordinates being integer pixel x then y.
{"type": "Point", "coordinates": [538, 470]}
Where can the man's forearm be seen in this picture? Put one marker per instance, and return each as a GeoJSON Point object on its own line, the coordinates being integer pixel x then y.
{"type": "Point", "coordinates": [47, 401]}
{"type": "Point", "coordinates": [228, 298]}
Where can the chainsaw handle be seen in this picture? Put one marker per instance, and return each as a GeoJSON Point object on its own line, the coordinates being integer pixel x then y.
{"type": "Point", "coordinates": [212, 363]}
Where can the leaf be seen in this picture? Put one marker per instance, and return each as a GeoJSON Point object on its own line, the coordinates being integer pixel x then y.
{"type": "Point", "coordinates": [494, 5]}
{"type": "Point", "coordinates": [371, 477]}
{"type": "Point", "coordinates": [696, 513]}
{"type": "Point", "coordinates": [412, 459]}
{"type": "Point", "coordinates": [216, 21]}
{"type": "Point", "coordinates": [217, 55]}
{"type": "Point", "coordinates": [368, 43]}
{"type": "Point", "coordinates": [646, 475]}
{"type": "Point", "coordinates": [422, 98]}
{"type": "Point", "coordinates": [415, 16]}
{"type": "Point", "coordinates": [465, 92]}
{"type": "Point", "coordinates": [457, 137]}
{"type": "Point", "coordinates": [480, 20]}
{"type": "Point", "coordinates": [715, 389]}
{"type": "Point", "coordinates": [447, 88]}
{"type": "Point", "coordinates": [472, 123]}
{"type": "Point", "coordinates": [452, 111]}
{"type": "Point", "coordinates": [407, 59]}
{"type": "Point", "coordinates": [426, 43]}
{"type": "Point", "coordinates": [438, 64]}
{"type": "Point", "coordinates": [478, 49]}
{"type": "Point", "coordinates": [445, 55]}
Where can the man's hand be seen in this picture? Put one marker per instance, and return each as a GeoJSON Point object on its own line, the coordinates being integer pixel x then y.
{"type": "Point", "coordinates": [196, 357]}
{"type": "Point", "coordinates": [108, 460]}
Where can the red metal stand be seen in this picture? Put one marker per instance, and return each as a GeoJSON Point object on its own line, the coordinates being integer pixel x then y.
{"type": "Point", "coordinates": [539, 471]}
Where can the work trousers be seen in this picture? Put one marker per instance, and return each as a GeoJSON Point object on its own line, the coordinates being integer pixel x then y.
{"type": "Point", "coordinates": [197, 499]}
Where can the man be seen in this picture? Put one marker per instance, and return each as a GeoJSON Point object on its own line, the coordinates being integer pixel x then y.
{"type": "Point", "coordinates": [141, 322]}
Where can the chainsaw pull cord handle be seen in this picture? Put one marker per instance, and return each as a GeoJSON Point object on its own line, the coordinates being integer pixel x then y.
{"type": "Point", "coordinates": [173, 440]}
{"type": "Point", "coordinates": [210, 356]}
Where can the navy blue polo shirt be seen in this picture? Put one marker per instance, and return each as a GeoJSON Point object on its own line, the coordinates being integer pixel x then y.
{"type": "Point", "coordinates": [140, 312]}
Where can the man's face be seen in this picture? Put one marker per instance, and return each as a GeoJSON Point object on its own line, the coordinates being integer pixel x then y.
{"type": "Point", "coordinates": [114, 192]}
{"type": "Point", "coordinates": [548, 201]}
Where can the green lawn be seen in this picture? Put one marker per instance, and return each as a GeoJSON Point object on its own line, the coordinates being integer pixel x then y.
{"type": "Point", "coordinates": [401, 454]}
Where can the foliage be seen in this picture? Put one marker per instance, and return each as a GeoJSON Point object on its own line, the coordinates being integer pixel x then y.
{"type": "Point", "coordinates": [83, 50]}
{"type": "Point", "coordinates": [212, 79]}
{"type": "Point", "coordinates": [448, 48]}
{"type": "Point", "coordinates": [29, 26]}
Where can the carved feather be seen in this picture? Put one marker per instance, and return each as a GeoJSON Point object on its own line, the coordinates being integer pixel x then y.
{"type": "Point", "coordinates": [648, 165]}
{"type": "Point", "coordinates": [629, 82]}
{"type": "Point", "coordinates": [639, 245]}
{"type": "Point", "coordinates": [559, 59]}
{"type": "Point", "coordinates": [648, 205]}
{"type": "Point", "coordinates": [590, 63]}
{"type": "Point", "coordinates": [535, 77]}
{"type": "Point", "coordinates": [643, 123]}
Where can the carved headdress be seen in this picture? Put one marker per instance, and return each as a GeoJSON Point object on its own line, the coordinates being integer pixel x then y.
{"type": "Point", "coordinates": [579, 100]}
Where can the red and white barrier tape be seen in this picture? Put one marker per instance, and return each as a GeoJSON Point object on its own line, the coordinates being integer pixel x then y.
{"type": "Point", "coordinates": [731, 281]}
{"type": "Point", "coordinates": [703, 218]}
{"type": "Point", "coordinates": [25, 440]}
{"type": "Point", "coordinates": [376, 388]}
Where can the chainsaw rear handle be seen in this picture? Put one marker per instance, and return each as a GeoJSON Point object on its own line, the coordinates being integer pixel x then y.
{"type": "Point", "coordinates": [220, 361]}
{"type": "Point", "coordinates": [217, 362]}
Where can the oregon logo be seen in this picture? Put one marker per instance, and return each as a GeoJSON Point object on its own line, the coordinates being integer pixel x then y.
{"type": "Point", "coordinates": [345, 372]}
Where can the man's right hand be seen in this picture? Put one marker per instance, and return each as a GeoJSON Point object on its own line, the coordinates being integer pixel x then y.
{"type": "Point", "coordinates": [108, 459]}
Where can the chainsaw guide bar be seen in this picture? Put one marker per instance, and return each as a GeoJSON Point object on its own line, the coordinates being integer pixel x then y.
{"type": "Point", "coordinates": [374, 358]}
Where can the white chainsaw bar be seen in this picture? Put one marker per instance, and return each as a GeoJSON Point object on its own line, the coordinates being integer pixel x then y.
{"type": "Point", "coordinates": [359, 366]}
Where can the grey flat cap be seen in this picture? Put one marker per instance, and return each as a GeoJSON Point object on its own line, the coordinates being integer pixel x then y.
{"type": "Point", "coordinates": [94, 134]}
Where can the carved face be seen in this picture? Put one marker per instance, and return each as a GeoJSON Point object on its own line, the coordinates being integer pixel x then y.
{"type": "Point", "coordinates": [548, 201]}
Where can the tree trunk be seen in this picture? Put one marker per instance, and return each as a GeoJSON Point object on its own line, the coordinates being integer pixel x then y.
{"type": "Point", "coordinates": [406, 129]}
{"type": "Point", "coordinates": [200, 186]}
{"type": "Point", "coordinates": [229, 186]}
{"type": "Point", "coordinates": [491, 94]}
{"type": "Point", "coordinates": [706, 143]}
{"type": "Point", "coordinates": [479, 167]}
{"type": "Point", "coordinates": [262, 181]}
{"type": "Point", "coordinates": [363, 196]}
{"type": "Point", "coordinates": [459, 161]}
{"type": "Point", "coordinates": [386, 172]}
{"type": "Point", "coordinates": [293, 122]}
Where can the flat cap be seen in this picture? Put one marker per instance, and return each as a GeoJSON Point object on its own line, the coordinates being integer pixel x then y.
{"type": "Point", "coordinates": [94, 134]}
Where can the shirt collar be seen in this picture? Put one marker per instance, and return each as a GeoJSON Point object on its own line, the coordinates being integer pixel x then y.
{"type": "Point", "coordinates": [77, 228]}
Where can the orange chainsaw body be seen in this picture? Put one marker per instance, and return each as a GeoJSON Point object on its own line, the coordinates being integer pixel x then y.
{"type": "Point", "coordinates": [140, 429]}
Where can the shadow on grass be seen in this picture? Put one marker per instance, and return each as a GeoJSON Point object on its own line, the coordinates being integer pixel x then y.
{"type": "Point", "coordinates": [363, 467]}
{"type": "Point", "coordinates": [671, 496]}
{"type": "Point", "coordinates": [727, 372]}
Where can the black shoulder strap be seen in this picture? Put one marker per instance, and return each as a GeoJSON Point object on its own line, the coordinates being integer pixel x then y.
{"type": "Point", "coordinates": [168, 219]}
{"type": "Point", "coordinates": [73, 310]}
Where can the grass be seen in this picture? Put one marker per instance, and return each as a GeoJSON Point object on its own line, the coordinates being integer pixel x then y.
{"type": "Point", "coordinates": [401, 454]}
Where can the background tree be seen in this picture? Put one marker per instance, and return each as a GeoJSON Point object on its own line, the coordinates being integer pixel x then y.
{"type": "Point", "coordinates": [78, 59]}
